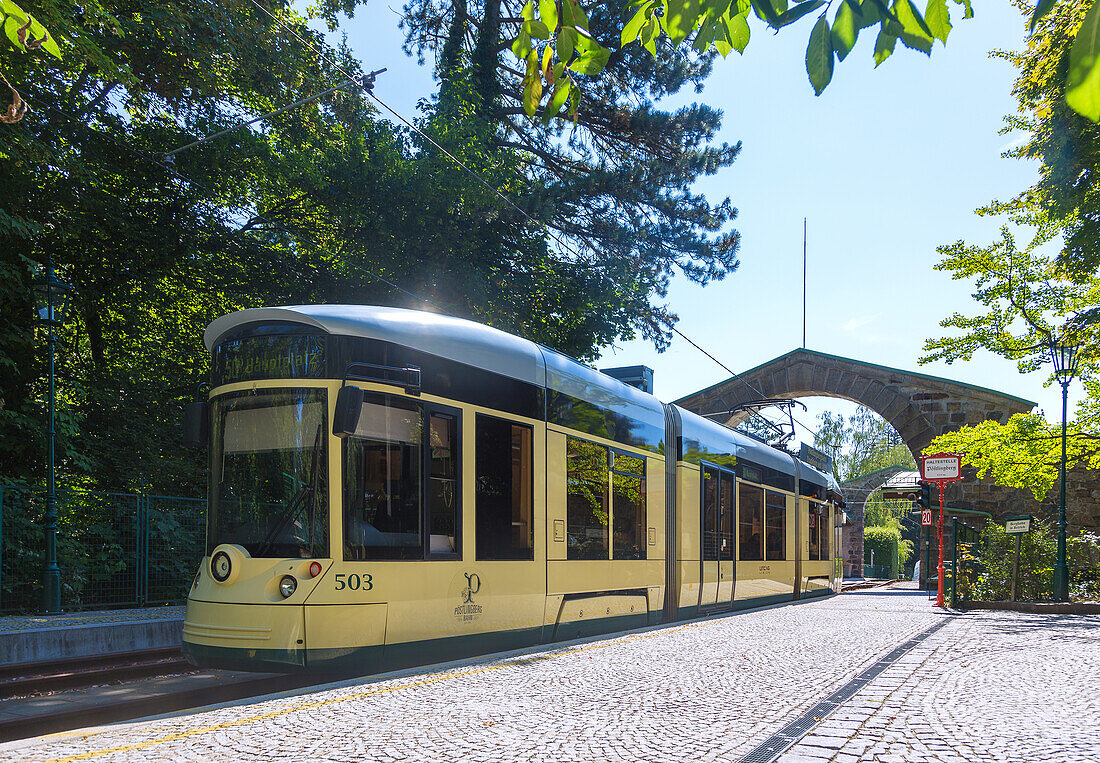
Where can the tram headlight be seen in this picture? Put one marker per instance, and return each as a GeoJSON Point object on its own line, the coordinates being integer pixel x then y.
{"type": "Point", "coordinates": [287, 586]}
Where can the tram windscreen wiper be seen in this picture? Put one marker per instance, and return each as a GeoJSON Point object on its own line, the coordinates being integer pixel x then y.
{"type": "Point", "coordinates": [307, 491]}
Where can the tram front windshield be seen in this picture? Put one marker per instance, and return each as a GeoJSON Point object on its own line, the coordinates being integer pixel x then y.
{"type": "Point", "coordinates": [268, 475]}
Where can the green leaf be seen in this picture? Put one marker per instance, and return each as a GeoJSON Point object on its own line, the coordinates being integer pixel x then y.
{"type": "Point", "coordinates": [939, 19]}
{"type": "Point", "coordinates": [1083, 78]}
{"type": "Point", "coordinates": [884, 46]}
{"type": "Point", "coordinates": [558, 99]}
{"type": "Point", "coordinates": [869, 14]}
{"type": "Point", "coordinates": [738, 32]}
{"type": "Point", "coordinates": [591, 62]}
{"type": "Point", "coordinates": [969, 14]}
{"type": "Point", "coordinates": [797, 12]}
{"type": "Point", "coordinates": [528, 12]}
{"type": "Point", "coordinates": [567, 42]}
{"type": "Point", "coordinates": [537, 29]}
{"type": "Point", "coordinates": [766, 11]}
{"type": "Point", "coordinates": [633, 27]}
{"type": "Point", "coordinates": [573, 14]}
{"type": "Point", "coordinates": [911, 21]}
{"type": "Point", "coordinates": [649, 36]}
{"type": "Point", "coordinates": [706, 34]}
{"type": "Point", "coordinates": [845, 31]}
{"type": "Point", "coordinates": [548, 12]}
{"type": "Point", "coordinates": [574, 103]}
{"type": "Point", "coordinates": [1042, 8]}
{"type": "Point", "coordinates": [681, 17]}
{"type": "Point", "coordinates": [819, 56]}
{"type": "Point", "coordinates": [521, 46]}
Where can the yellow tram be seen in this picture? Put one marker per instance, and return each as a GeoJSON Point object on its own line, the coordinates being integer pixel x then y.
{"type": "Point", "coordinates": [391, 487]}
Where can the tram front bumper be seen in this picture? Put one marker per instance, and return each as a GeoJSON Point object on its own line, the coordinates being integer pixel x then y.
{"type": "Point", "coordinates": [256, 637]}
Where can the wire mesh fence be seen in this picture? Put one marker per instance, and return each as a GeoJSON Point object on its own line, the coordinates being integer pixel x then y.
{"type": "Point", "coordinates": [114, 549]}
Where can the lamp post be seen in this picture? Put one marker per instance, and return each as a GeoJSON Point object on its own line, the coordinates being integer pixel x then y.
{"type": "Point", "coordinates": [51, 296]}
{"type": "Point", "coordinates": [1065, 358]}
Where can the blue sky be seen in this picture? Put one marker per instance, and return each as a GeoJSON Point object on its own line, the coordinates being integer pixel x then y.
{"type": "Point", "coordinates": [887, 164]}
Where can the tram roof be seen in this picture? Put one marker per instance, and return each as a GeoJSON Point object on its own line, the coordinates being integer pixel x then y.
{"type": "Point", "coordinates": [460, 340]}
{"type": "Point", "coordinates": [710, 439]}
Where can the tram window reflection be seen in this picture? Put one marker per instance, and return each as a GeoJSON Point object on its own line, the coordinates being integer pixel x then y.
{"type": "Point", "coordinates": [814, 530]}
{"type": "Point", "coordinates": [505, 491]}
{"type": "Point", "coordinates": [726, 518]}
{"type": "Point", "coordinates": [443, 484]}
{"type": "Point", "coordinates": [776, 531]}
{"type": "Point", "coordinates": [751, 524]}
{"type": "Point", "coordinates": [628, 502]}
{"type": "Point", "coordinates": [710, 514]}
{"type": "Point", "coordinates": [586, 504]}
{"type": "Point", "coordinates": [402, 495]}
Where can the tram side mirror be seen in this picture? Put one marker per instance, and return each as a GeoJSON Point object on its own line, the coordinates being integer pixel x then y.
{"type": "Point", "coordinates": [196, 424]}
{"type": "Point", "coordinates": [349, 404]}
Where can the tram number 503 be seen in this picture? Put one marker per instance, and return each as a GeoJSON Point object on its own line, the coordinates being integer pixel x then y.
{"type": "Point", "coordinates": [354, 582]}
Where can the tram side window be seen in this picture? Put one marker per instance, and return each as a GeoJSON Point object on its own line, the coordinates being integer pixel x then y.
{"type": "Point", "coordinates": [505, 491]}
{"type": "Point", "coordinates": [823, 529]}
{"type": "Point", "coordinates": [382, 479]}
{"type": "Point", "coordinates": [586, 503]}
{"type": "Point", "coordinates": [710, 514]}
{"type": "Point", "coordinates": [628, 502]}
{"type": "Point", "coordinates": [443, 484]}
{"type": "Point", "coordinates": [751, 525]}
{"type": "Point", "coordinates": [775, 515]}
{"type": "Point", "coordinates": [725, 505]}
{"type": "Point", "coordinates": [814, 534]}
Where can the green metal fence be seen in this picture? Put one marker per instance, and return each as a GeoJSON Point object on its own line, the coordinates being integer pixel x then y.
{"type": "Point", "coordinates": [877, 571]}
{"type": "Point", "coordinates": [114, 549]}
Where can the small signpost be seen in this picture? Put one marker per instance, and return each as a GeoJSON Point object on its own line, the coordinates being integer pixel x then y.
{"type": "Point", "coordinates": [943, 469]}
{"type": "Point", "coordinates": [926, 518]}
{"type": "Point", "coordinates": [1017, 525]}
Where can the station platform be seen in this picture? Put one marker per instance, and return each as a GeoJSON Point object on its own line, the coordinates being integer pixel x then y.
{"type": "Point", "coordinates": [40, 638]}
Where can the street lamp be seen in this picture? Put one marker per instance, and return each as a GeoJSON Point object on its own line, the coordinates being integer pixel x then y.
{"type": "Point", "coordinates": [1065, 358]}
{"type": "Point", "coordinates": [51, 298]}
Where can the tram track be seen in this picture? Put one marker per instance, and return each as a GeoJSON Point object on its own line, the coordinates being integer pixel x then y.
{"type": "Point", "coordinates": [35, 678]}
{"type": "Point", "coordinates": [62, 695]}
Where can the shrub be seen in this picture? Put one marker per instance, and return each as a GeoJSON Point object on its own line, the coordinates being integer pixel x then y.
{"type": "Point", "coordinates": [887, 544]}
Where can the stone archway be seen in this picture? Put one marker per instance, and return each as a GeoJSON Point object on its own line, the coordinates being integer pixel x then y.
{"type": "Point", "coordinates": [919, 406]}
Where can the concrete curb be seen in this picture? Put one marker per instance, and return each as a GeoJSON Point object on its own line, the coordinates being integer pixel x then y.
{"type": "Point", "coordinates": [40, 644]}
{"type": "Point", "coordinates": [1053, 608]}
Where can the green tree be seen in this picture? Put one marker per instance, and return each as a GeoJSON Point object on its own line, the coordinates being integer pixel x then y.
{"type": "Point", "coordinates": [613, 186]}
{"type": "Point", "coordinates": [1028, 299]}
{"type": "Point", "coordinates": [863, 444]}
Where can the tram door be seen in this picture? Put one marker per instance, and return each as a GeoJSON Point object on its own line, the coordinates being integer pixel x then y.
{"type": "Point", "coordinates": [719, 519]}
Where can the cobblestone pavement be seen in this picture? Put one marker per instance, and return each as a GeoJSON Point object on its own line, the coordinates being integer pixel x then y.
{"type": "Point", "coordinates": [990, 686]}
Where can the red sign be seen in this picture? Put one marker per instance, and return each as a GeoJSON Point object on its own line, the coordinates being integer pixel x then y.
{"type": "Point", "coordinates": [926, 518]}
{"type": "Point", "coordinates": [813, 520]}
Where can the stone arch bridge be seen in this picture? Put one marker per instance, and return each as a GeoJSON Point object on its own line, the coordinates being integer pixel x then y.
{"type": "Point", "coordinates": [918, 406]}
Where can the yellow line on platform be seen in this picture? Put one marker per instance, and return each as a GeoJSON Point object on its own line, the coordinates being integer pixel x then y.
{"type": "Point", "coordinates": [360, 695]}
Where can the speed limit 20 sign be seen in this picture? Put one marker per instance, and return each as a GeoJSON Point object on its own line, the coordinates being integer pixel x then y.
{"type": "Point", "coordinates": [926, 517]}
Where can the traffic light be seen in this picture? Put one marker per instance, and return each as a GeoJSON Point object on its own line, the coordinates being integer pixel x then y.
{"type": "Point", "coordinates": [925, 499]}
